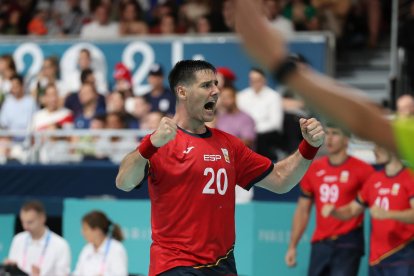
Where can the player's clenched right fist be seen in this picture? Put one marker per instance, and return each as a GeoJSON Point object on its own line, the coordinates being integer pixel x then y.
{"type": "Point", "coordinates": [165, 132]}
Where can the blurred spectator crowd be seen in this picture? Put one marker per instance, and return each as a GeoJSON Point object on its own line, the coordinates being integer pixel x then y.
{"type": "Point", "coordinates": [80, 98]}
{"type": "Point", "coordinates": [115, 18]}
{"type": "Point", "coordinates": [58, 116]}
{"type": "Point", "coordinates": [47, 102]}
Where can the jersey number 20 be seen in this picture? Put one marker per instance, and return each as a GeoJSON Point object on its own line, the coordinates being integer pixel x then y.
{"type": "Point", "coordinates": [221, 181]}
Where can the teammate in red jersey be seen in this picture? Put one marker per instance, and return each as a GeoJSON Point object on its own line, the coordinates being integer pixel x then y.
{"type": "Point", "coordinates": [390, 196]}
{"type": "Point", "coordinates": [192, 174]}
{"type": "Point", "coordinates": [337, 246]}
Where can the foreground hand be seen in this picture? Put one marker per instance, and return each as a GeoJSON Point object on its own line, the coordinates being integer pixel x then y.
{"type": "Point", "coordinates": [290, 258]}
{"type": "Point", "coordinates": [327, 210]}
{"type": "Point", "coordinates": [165, 132]}
{"type": "Point", "coordinates": [263, 42]}
{"type": "Point", "coordinates": [378, 212]}
{"type": "Point", "coordinates": [312, 131]}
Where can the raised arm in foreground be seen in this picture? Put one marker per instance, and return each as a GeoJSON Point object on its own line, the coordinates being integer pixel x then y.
{"type": "Point", "coordinates": [327, 96]}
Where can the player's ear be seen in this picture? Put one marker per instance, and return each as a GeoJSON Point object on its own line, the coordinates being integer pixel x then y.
{"type": "Point", "coordinates": [181, 92]}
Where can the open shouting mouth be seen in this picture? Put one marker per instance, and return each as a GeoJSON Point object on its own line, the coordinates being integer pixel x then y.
{"type": "Point", "coordinates": [210, 105]}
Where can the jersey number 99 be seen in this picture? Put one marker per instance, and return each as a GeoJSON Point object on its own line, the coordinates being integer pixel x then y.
{"type": "Point", "coordinates": [329, 193]}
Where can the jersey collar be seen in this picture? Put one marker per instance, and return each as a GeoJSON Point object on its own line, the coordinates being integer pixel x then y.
{"type": "Point", "coordinates": [206, 134]}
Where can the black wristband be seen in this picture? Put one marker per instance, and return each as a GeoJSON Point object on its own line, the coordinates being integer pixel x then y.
{"type": "Point", "coordinates": [287, 67]}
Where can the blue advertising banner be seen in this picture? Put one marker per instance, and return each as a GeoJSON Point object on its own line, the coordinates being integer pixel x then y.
{"type": "Point", "coordinates": [262, 234]}
{"type": "Point", "coordinates": [6, 234]}
{"type": "Point", "coordinates": [139, 54]}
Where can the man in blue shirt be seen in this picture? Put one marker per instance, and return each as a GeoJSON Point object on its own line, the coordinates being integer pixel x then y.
{"type": "Point", "coordinates": [160, 97]}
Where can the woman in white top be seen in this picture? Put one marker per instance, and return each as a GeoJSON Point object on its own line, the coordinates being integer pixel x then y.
{"type": "Point", "coordinates": [104, 255]}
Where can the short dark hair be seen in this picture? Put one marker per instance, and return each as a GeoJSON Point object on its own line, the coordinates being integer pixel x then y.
{"type": "Point", "coordinates": [258, 70]}
{"type": "Point", "coordinates": [34, 205]}
{"type": "Point", "coordinates": [344, 131]}
{"type": "Point", "coordinates": [183, 72]}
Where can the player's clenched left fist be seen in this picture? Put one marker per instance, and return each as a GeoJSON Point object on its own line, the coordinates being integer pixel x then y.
{"type": "Point", "coordinates": [327, 210]}
{"type": "Point", "coordinates": [165, 132]}
{"type": "Point", "coordinates": [378, 212]}
{"type": "Point", "coordinates": [312, 131]}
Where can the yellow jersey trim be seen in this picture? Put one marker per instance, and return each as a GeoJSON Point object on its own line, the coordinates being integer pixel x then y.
{"type": "Point", "coordinates": [217, 262]}
{"type": "Point", "coordinates": [392, 251]}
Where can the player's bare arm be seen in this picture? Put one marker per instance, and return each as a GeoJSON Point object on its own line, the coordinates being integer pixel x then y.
{"type": "Point", "coordinates": [300, 222]}
{"type": "Point", "coordinates": [132, 168]}
{"type": "Point", "coordinates": [323, 93]}
{"type": "Point", "coordinates": [344, 105]}
{"type": "Point", "coordinates": [288, 172]}
{"type": "Point", "coordinates": [345, 212]}
{"type": "Point", "coordinates": [406, 216]}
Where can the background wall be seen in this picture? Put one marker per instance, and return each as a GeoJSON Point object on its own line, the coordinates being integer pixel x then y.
{"type": "Point", "coordinates": [139, 54]}
{"type": "Point", "coordinates": [6, 234]}
{"type": "Point", "coordinates": [262, 234]}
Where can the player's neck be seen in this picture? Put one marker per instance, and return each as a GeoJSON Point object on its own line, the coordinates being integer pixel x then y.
{"type": "Point", "coordinates": [192, 126]}
{"type": "Point", "coordinates": [338, 158]}
{"type": "Point", "coordinates": [393, 167]}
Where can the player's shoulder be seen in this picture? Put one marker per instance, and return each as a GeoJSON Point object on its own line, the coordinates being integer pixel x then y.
{"type": "Point", "coordinates": [358, 163]}
{"type": "Point", "coordinates": [407, 174]}
{"type": "Point", "coordinates": [360, 168]}
{"type": "Point", "coordinates": [377, 176]}
{"type": "Point", "coordinates": [227, 139]}
{"type": "Point", "coordinates": [220, 134]}
{"type": "Point", "coordinates": [408, 171]}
